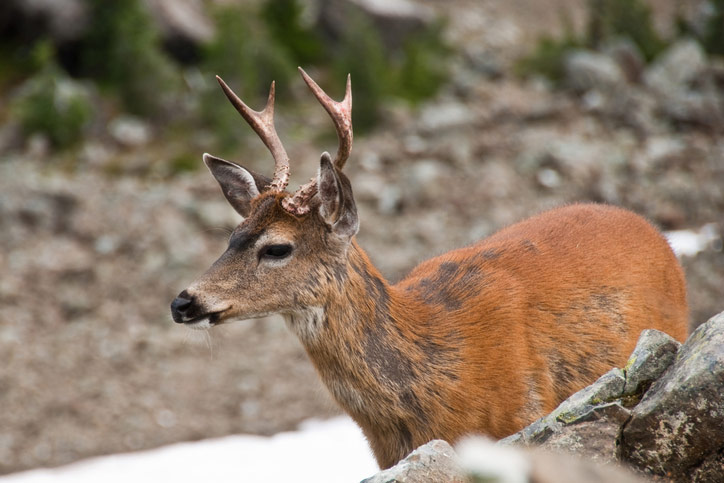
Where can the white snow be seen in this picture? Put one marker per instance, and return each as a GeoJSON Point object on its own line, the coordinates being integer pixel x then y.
{"type": "Point", "coordinates": [689, 243]}
{"type": "Point", "coordinates": [320, 451]}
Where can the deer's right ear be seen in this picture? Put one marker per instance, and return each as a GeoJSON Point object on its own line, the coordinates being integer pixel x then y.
{"type": "Point", "coordinates": [238, 184]}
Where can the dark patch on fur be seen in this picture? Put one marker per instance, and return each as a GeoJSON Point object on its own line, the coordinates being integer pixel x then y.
{"type": "Point", "coordinates": [241, 240]}
{"type": "Point", "coordinates": [447, 270]}
{"type": "Point", "coordinates": [451, 285]}
{"type": "Point", "coordinates": [563, 373]}
{"type": "Point", "coordinates": [411, 402]}
{"type": "Point", "coordinates": [529, 246]}
{"type": "Point", "coordinates": [339, 271]}
{"type": "Point", "coordinates": [490, 254]}
{"type": "Point", "coordinates": [405, 437]}
{"type": "Point", "coordinates": [376, 291]}
{"type": "Point", "coordinates": [387, 362]}
{"type": "Point", "coordinates": [442, 357]}
{"type": "Point", "coordinates": [439, 293]}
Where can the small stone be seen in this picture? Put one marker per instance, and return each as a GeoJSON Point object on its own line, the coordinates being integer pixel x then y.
{"type": "Point", "coordinates": [585, 70]}
{"type": "Point", "coordinates": [434, 461]}
{"type": "Point", "coordinates": [130, 131]}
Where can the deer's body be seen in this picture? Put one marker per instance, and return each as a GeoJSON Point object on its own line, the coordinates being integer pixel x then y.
{"type": "Point", "coordinates": [489, 338]}
{"type": "Point", "coordinates": [484, 339]}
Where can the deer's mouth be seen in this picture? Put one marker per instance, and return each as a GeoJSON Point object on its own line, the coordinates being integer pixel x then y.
{"type": "Point", "coordinates": [203, 322]}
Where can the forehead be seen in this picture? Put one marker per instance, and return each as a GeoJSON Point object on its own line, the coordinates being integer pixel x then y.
{"type": "Point", "coordinates": [267, 217]}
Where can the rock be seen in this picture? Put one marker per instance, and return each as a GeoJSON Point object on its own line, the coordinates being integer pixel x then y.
{"type": "Point", "coordinates": [675, 429]}
{"type": "Point", "coordinates": [699, 108]}
{"type": "Point", "coordinates": [628, 57]}
{"type": "Point", "coordinates": [686, 86]}
{"type": "Point", "coordinates": [183, 24]}
{"type": "Point", "coordinates": [593, 435]}
{"type": "Point", "coordinates": [445, 116]}
{"type": "Point", "coordinates": [130, 131]}
{"type": "Point", "coordinates": [481, 460]}
{"type": "Point", "coordinates": [676, 67]}
{"type": "Point", "coordinates": [586, 70]}
{"type": "Point", "coordinates": [677, 425]}
{"type": "Point", "coordinates": [594, 405]}
{"type": "Point", "coordinates": [395, 20]}
{"type": "Point", "coordinates": [60, 20]}
{"type": "Point", "coordinates": [654, 353]}
{"type": "Point", "coordinates": [434, 461]}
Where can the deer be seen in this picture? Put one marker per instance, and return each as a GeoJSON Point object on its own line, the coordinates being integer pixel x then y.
{"type": "Point", "coordinates": [484, 339]}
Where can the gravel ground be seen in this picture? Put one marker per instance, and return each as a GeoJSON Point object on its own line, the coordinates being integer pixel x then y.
{"type": "Point", "coordinates": [92, 362]}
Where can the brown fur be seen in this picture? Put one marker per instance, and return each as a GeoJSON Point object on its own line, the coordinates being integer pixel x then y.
{"type": "Point", "coordinates": [484, 339]}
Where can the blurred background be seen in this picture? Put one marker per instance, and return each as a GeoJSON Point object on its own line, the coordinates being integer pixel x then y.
{"type": "Point", "coordinates": [469, 115]}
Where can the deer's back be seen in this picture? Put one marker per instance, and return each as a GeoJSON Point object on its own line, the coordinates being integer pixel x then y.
{"type": "Point", "coordinates": [544, 307]}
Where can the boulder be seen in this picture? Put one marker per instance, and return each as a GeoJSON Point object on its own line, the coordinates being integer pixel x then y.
{"type": "Point", "coordinates": [676, 67]}
{"type": "Point", "coordinates": [677, 426]}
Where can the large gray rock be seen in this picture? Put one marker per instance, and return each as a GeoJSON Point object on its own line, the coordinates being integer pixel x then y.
{"type": "Point", "coordinates": [677, 66]}
{"type": "Point", "coordinates": [686, 85]}
{"type": "Point", "coordinates": [678, 424]}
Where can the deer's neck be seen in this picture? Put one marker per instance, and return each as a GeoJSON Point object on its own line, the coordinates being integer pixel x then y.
{"type": "Point", "coordinates": [378, 351]}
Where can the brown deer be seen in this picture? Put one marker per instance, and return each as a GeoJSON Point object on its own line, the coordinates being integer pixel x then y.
{"type": "Point", "coordinates": [484, 339]}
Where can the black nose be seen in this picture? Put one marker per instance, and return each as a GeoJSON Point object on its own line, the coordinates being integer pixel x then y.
{"type": "Point", "coordinates": [180, 307]}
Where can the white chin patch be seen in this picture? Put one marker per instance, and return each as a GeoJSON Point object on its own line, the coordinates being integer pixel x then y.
{"type": "Point", "coordinates": [202, 324]}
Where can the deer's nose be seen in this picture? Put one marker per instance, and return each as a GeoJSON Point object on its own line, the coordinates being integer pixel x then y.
{"type": "Point", "coordinates": [180, 307]}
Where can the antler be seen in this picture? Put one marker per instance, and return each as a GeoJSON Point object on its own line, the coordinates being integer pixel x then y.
{"type": "Point", "coordinates": [262, 122]}
{"type": "Point", "coordinates": [341, 114]}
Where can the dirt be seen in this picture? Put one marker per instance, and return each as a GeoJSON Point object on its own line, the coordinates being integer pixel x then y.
{"type": "Point", "coordinates": [93, 363]}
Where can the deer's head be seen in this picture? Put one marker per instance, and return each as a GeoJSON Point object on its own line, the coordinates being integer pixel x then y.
{"type": "Point", "coordinates": [289, 249]}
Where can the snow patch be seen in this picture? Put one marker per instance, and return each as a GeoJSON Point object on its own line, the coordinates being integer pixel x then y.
{"type": "Point", "coordinates": [333, 450]}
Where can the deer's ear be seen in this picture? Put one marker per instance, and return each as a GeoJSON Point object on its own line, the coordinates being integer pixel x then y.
{"type": "Point", "coordinates": [337, 205]}
{"type": "Point", "coordinates": [238, 184]}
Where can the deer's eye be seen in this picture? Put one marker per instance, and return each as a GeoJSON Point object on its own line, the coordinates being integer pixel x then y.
{"type": "Point", "coordinates": [275, 252]}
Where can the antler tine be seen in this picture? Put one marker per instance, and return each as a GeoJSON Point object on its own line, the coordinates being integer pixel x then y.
{"type": "Point", "coordinates": [262, 122]}
{"type": "Point", "coordinates": [341, 114]}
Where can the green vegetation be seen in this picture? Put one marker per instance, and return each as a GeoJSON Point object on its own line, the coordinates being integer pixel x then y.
{"type": "Point", "coordinates": [414, 74]}
{"type": "Point", "coordinates": [122, 54]}
{"type": "Point", "coordinates": [51, 103]}
{"type": "Point", "coordinates": [547, 58]}
{"type": "Point", "coordinates": [122, 51]}
{"type": "Point", "coordinates": [286, 26]}
{"type": "Point", "coordinates": [711, 36]}
{"type": "Point", "coordinates": [606, 20]}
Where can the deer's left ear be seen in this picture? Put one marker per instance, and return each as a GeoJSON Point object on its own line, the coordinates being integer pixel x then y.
{"type": "Point", "coordinates": [238, 184]}
{"type": "Point", "coordinates": [337, 205]}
